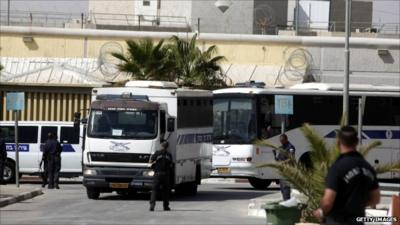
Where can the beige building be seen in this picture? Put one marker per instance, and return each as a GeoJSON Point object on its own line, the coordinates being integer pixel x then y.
{"type": "Point", "coordinates": [57, 68]}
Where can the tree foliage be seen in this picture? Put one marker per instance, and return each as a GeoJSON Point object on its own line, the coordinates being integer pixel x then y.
{"type": "Point", "coordinates": [181, 61]}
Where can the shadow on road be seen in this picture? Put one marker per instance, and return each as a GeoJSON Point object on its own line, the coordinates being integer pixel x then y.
{"type": "Point", "coordinates": [222, 194]}
{"type": "Point", "coordinates": [250, 189]}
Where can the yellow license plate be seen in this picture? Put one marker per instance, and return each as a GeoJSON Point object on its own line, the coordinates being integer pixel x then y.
{"type": "Point", "coordinates": [224, 170]}
{"type": "Point", "coordinates": [119, 185]}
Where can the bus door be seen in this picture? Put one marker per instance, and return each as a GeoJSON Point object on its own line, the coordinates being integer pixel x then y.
{"type": "Point", "coordinates": [71, 155]}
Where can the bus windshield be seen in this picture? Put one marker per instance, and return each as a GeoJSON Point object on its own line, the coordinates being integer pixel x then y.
{"type": "Point", "coordinates": [234, 121]}
{"type": "Point", "coordinates": [123, 124]}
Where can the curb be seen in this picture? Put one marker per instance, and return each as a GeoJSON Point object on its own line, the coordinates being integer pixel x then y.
{"type": "Point", "coordinates": [20, 197]}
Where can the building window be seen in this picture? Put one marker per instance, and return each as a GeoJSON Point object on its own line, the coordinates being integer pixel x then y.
{"type": "Point", "coordinates": [146, 2]}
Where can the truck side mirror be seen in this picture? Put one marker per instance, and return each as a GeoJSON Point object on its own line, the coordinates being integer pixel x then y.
{"type": "Point", "coordinates": [171, 125]}
{"type": "Point", "coordinates": [77, 119]}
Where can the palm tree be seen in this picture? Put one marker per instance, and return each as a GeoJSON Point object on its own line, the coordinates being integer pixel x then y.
{"type": "Point", "coordinates": [194, 67]}
{"type": "Point", "coordinates": [146, 60]}
{"type": "Point", "coordinates": [310, 181]}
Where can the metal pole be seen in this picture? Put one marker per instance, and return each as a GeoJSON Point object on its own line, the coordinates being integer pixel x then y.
{"type": "Point", "coordinates": [82, 17]}
{"type": "Point", "coordinates": [8, 13]}
{"type": "Point", "coordinates": [16, 113]}
{"type": "Point", "coordinates": [347, 65]}
{"type": "Point", "coordinates": [297, 16]}
{"type": "Point", "coordinates": [361, 105]}
{"type": "Point", "coordinates": [283, 124]}
{"type": "Point", "coordinates": [198, 26]}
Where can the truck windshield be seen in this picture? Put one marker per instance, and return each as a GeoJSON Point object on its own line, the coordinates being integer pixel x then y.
{"type": "Point", "coordinates": [234, 121]}
{"type": "Point", "coordinates": [123, 124]}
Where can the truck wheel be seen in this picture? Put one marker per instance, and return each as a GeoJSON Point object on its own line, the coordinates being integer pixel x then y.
{"type": "Point", "coordinates": [92, 193]}
{"type": "Point", "coordinates": [186, 189]}
{"type": "Point", "coordinates": [9, 172]}
{"type": "Point", "coordinates": [259, 184]}
{"type": "Point", "coordinates": [192, 188]}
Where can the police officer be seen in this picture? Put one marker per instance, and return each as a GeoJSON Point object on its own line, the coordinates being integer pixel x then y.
{"type": "Point", "coordinates": [351, 184]}
{"type": "Point", "coordinates": [283, 156]}
{"type": "Point", "coordinates": [161, 164]}
{"type": "Point", "coordinates": [3, 158]}
{"type": "Point", "coordinates": [57, 165]}
{"type": "Point", "coordinates": [51, 151]}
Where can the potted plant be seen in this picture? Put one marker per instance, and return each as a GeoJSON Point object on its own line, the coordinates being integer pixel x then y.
{"type": "Point", "coordinates": [310, 180]}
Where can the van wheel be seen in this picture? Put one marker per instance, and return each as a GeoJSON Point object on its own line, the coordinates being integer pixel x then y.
{"type": "Point", "coordinates": [92, 193]}
{"type": "Point", "coordinates": [259, 184]}
{"type": "Point", "coordinates": [9, 172]}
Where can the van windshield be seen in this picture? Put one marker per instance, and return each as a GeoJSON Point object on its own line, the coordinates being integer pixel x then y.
{"type": "Point", "coordinates": [123, 124]}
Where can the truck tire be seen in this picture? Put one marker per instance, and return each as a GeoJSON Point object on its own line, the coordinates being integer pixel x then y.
{"type": "Point", "coordinates": [92, 193]}
{"type": "Point", "coordinates": [192, 189]}
{"type": "Point", "coordinates": [259, 184]}
{"type": "Point", "coordinates": [9, 172]}
{"type": "Point", "coordinates": [186, 189]}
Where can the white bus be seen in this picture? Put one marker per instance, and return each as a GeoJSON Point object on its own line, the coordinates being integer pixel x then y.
{"type": "Point", "coordinates": [31, 137]}
{"type": "Point", "coordinates": [242, 114]}
{"type": "Point", "coordinates": [126, 125]}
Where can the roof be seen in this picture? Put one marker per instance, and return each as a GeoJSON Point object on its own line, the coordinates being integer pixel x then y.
{"type": "Point", "coordinates": [151, 84]}
{"type": "Point", "coordinates": [317, 88]}
{"type": "Point", "coordinates": [124, 104]}
{"type": "Point", "coordinates": [54, 72]}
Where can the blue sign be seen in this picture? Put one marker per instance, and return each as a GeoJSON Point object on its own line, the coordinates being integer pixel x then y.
{"type": "Point", "coordinates": [15, 101]}
{"type": "Point", "coordinates": [284, 104]}
{"type": "Point", "coordinates": [21, 147]}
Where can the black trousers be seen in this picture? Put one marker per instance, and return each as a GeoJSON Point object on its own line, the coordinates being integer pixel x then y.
{"type": "Point", "coordinates": [161, 182]}
{"type": "Point", "coordinates": [53, 169]}
{"type": "Point", "coordinates": [44, 174]}
{"type": "Point", "coordinates": [285, 189]}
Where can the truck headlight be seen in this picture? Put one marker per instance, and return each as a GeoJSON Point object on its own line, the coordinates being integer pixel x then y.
{"type": "Point", "coordinates": [89, 172]}
{"type": "Point", "coordinates": [148, 173]}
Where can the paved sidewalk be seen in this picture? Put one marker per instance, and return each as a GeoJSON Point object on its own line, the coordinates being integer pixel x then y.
{"type": "Point", "coordinates": [10, 194]}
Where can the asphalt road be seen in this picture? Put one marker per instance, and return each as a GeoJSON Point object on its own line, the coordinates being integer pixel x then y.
{"type": "Point", "coordinates": [214, 204]}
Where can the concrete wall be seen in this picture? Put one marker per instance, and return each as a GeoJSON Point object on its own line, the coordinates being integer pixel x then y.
{"type": "Point", "coordinates": [62, 6]}
{"type": "Point", "coordinates": [237, 19]}
{"type": "Point", "coordinates": [243, 53]}
{"type": "Point", "coordinates": [112, 7]}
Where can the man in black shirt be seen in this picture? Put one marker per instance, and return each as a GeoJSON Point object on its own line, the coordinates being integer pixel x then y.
{"type": "Point", "coordinates": [288, 149]}
{"type": "Point", "coordinates": [161, 164]}
{"type": "Point", "coordinates": [351, 184]}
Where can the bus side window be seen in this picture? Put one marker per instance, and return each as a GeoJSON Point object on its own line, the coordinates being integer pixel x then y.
{"type": "Point", "coordinates": [69, 135]}
{"type": "Point", "coordinates": [162, 124]}
{"type": "Point", "coordinates": [28, 134]}
{"type": "Point", "coordinates": [7, 132]}
{"type": "Point", "coordinates": [45, 131]}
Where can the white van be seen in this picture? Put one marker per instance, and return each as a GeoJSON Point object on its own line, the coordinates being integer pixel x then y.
{"type": "Point", "coordinates": [32, 136]}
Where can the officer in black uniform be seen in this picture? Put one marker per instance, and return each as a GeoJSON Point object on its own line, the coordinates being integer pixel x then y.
{"type": "Point", "coordinates": [51, 152]}
{"type": "Point", "coordinates": [351, 184]}
{"type": "Point", "coordinates": [282, 156]}
{"type": "Point", "coordinates": [3, 158]}
{"type": "Point", "coordinates": [161, 164]}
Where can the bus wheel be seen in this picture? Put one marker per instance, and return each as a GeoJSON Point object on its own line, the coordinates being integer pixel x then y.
{"type": "Point", "coordinates": [259, 184]}
{"type": "Point", "coordinates": [9, 172]}
{"type": "Point", "coordinates": [92, 193]}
